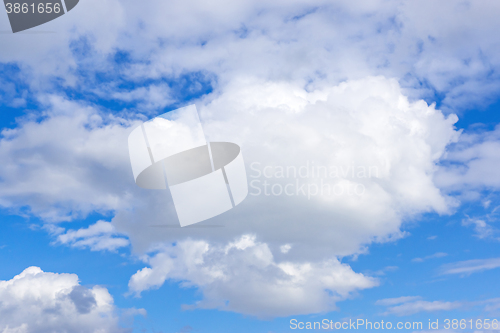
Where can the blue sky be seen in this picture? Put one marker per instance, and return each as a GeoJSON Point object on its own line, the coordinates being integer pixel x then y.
{"type": "Point", "coordinates": [411, 89]}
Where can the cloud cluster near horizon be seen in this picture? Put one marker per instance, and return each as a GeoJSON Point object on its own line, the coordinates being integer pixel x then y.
{"type": "Point", "coordinates": [36, 301]}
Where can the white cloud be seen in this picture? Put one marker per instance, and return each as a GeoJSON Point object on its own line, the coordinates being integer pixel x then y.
{"type": "Point", "coordinates": [491, 305]}
{"type": "Point", "coordinates": [36, 301]}
{"type": "Point", "coordinates": [383, 271]}
{"type": "Point", "coordinates": [408, 305]}
{"type": "Point", "coordinates": [277, 67]}
{"type": "Point", "coordinates": [285, 248]}
{"type": "Point", "coordinates": [405, 306]}
{"type": "Point", "coordinates": [66, 165]}
{"type": "Point", "coordinates": [469, 171]}
{"type": "Point", "coordinates": [154, 97]}
{"type": "Point", "coordinates": [366, 123]}
{"type": "Point", "coordinates": [468, 267]}
{"type": "Point", "coordinates": [99, 236]}
{"type": "Point", "coordinates": [397, 300]}
{"type": "Point", "coordinates": [75, 161]}
{"type": "Point", "coordinates": [481, 228]}
{"type": "Point", "coordinates": [315, 43]}
{"type": "Point", "coordinates": [244, 276]}
{"type": "Point", "coordinates": [432, 256]}
{"type": "Point", "coordinates": [472, 163]}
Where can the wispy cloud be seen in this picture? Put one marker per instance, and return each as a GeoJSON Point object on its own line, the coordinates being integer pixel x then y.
{"type": "Point", "coordinates": [408, 305]}
{"type": "Point", "coordinates": [383, 271]}
{"type": "Point", "coordinates": [432, 256]}
{"type": "Point", "coordinates": [397, 300]}
{"type": "Point", "coordinates": [468, 267]}
{"type": "Point", "coordinates": [472, 164]}
{"type": "Point", "coordinates": [482, 229]}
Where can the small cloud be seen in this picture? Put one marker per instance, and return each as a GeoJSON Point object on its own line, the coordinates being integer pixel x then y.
{"type": "Point", "coordinates": [432, 237]}
{"type": "Point", "coordinates": [186, 329]}
{"type": "Point", "coordinates": [432, 256]}
{"type": "Point", "coordinates": [408, 305]}
{"type": "Point", "coordinates": [99, 236]}
{"type": "Point", "coordinates": [285, 248]}
{"type": "Point", "coordinates": [482, 229]}
{"type": "Point", "coordinates": [384, 270]}
{"type": "Point", "coordinates": [468, 267]}
{"type": "Point", "coordinates": [492, 304]}
{"type": "Point", "coordinates": [397, 300]}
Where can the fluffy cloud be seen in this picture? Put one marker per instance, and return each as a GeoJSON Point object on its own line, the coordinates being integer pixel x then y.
{"type": "Point", "coordinates": [357, 126]}
{"type": "Point", "coordinates": [75, 161]}
{"type": "Point", "coordinates": [275, 68]}
{"type": "Point", "coordinates": [472, 163]}
{"type": "Point", "coordinates": [36, 301]}
{"type": "Point", "coordinates": [66, 164]}
{"type": "Point", "coordinates": [243, 276]}
{"type": "Point", "coordinates": [469, 171]}
{"type": "Point", "coordinates": [99, 236]}
{"type": "Point", "coordinates": [315, 43]}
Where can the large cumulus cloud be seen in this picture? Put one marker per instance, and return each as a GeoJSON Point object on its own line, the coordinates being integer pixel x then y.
{"type": "Point", "coordinates": [359, 124]}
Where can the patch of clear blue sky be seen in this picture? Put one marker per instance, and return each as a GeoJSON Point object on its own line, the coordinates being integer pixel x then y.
{"type": "Point", "coordinates": [486, 117]}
